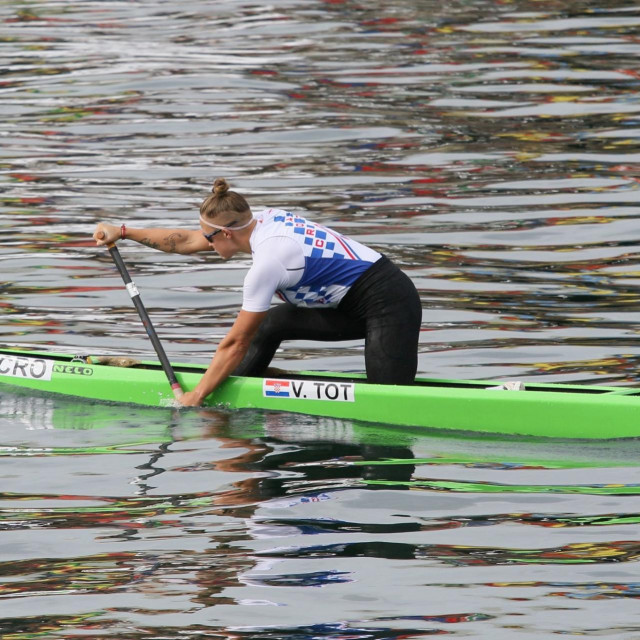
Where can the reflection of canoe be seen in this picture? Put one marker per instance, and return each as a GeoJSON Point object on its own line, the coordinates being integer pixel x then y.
{"type": "Point", "coordinates": [556, 410]}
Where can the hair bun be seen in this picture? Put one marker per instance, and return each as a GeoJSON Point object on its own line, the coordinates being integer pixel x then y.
{"type": "Point", "coordinates": [220, 187]}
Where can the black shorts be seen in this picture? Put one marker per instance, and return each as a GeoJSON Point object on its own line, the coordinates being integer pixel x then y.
{"type": "Point", "coordinates": [383, 307]}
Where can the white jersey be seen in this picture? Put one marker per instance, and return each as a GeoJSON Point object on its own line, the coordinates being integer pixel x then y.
{"type": "Point", "coordinates": [305, 263]}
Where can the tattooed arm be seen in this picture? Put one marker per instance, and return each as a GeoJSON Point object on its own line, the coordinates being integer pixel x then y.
{"type": "Point", "coordinates": [168, 240]}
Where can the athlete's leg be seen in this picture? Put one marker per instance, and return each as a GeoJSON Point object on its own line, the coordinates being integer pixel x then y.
{"type": "Point", "coordinates": [288, 322]}
{"type": "Point", "coordinates": [393, 331]}
{"type": "Point", "coordinates": [391, 352]}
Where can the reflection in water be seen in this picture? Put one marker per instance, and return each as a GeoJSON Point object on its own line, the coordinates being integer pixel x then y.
{"type": "Point", "coordinates": [282, 518]}
{"type": "Point", "coordinates": [488, 147]}
{"type": "Point", "coordinates": [463, 556]}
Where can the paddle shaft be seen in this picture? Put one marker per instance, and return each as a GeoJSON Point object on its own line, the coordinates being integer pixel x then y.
{"type": "Point", "coordinates": [146, 321]}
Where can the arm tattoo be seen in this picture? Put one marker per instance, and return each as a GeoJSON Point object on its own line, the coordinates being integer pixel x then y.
{"type": "Point", "coordinates": [173, 240]}
{"type": "Point", "coordinates": [150, 243]}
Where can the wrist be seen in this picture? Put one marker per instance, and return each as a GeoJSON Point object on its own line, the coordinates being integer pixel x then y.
{"type": "Point", "coordinates": [200, 393]}
{"type": "Point", "coordinates": [123, 231]}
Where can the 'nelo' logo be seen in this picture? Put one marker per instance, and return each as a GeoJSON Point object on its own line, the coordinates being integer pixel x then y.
{"type": "Point", "coordinates": [22, 367]}
{"type": "Point", "coordinates": [73, 369]}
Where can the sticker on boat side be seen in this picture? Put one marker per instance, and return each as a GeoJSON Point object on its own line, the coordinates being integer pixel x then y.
{"type": "Point", "coordinates": [309, 390]}
{"type": "Point", "coordinates": [22, 367]}
{"type": "Point", "coordinates": [72, 369]}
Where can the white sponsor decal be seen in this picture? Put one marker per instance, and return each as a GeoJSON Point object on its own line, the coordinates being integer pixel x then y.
{"type": "Point", "coordinates": [22, 367]}
{"type": "Point", "coordinates": [309, 389]}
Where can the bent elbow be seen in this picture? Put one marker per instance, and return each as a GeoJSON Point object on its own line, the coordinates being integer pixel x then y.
{"type": "Point", "coordinates": [241, 347]}
{"type": "Point", "coordinates": [237, 347]}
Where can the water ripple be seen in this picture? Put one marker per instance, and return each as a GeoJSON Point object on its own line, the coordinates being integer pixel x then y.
{"type": "Point", "coordinates": [488, 148]}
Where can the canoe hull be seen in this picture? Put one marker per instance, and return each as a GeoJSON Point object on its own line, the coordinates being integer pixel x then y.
{"type": "Point", "coordinates": [560, 411]}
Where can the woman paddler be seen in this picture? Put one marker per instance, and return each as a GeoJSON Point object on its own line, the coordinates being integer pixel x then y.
{"type": "Point", "coordinates": [333, 288]}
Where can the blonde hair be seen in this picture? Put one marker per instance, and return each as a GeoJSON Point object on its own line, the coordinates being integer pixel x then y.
{"type": "Point", "coordinates": [224, 206]}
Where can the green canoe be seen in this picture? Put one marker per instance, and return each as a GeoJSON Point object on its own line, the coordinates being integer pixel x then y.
{"type": "Point", "coordinates": [548, 410]}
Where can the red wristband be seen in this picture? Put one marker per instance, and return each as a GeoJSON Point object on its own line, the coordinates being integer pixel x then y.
{"type": "Point", "coordinates": [123, 231]}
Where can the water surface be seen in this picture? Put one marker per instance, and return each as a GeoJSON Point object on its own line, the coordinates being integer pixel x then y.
{"type": "Point", "coordinates": [489, 148]}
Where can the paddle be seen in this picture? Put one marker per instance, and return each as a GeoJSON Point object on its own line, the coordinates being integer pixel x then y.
{"type": "Point", "coordinates": [146, 321]}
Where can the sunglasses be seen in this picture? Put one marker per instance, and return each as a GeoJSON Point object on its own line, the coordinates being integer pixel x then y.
{"type": "Point", "coordinates": [210, 236]}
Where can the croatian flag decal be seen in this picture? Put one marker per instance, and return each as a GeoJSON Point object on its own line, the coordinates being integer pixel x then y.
{"type": "Point", "coordinates": [276, 388]}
